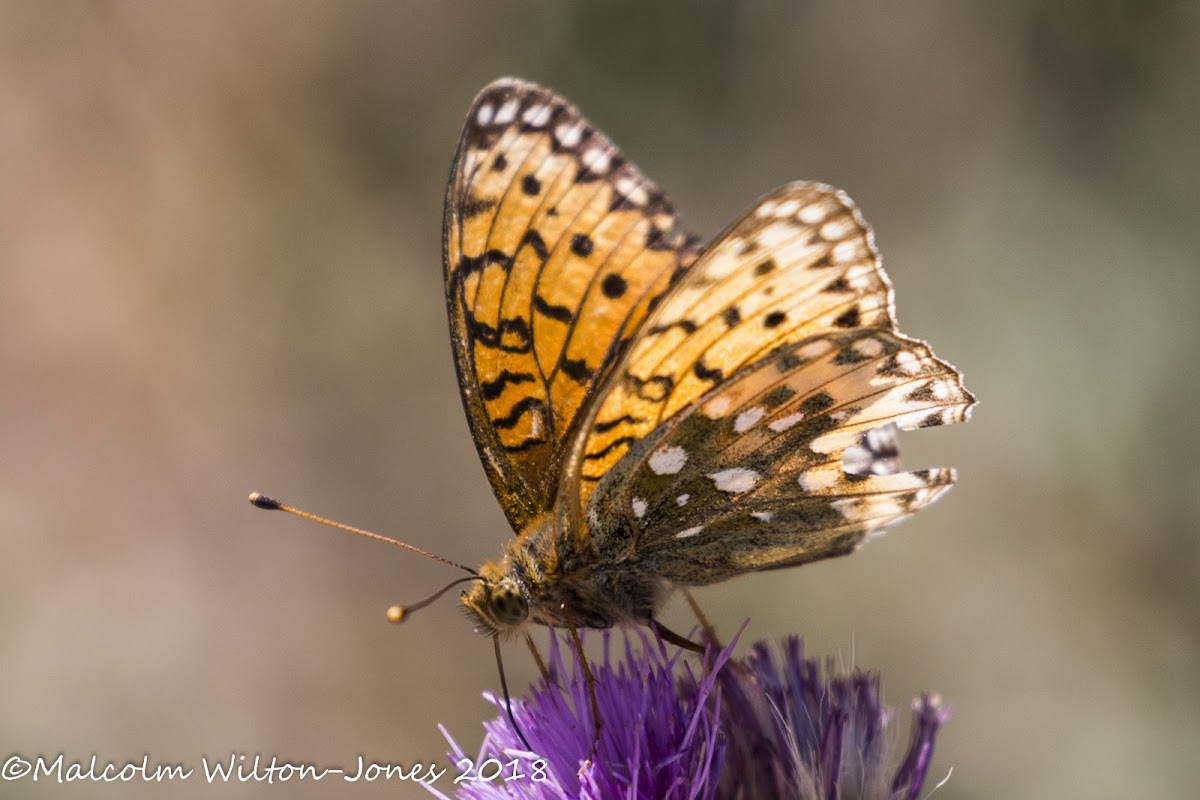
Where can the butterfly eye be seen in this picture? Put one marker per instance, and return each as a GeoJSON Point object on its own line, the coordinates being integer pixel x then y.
{"type": "Point", "coordinates": [507, 604]}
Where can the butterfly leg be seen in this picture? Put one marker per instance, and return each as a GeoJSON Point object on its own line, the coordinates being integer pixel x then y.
{"type": "Point", "coordinates": [537, 657]}
{"type": "Point", "coordinates": [674, 638]}
{"type": "Point", "coordinates": [588, 678]}
{"type": "Point", "coordinates": [710, 633]}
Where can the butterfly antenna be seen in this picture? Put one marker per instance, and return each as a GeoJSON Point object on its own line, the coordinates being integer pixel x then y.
{"type": "Point", "coordinates": [262, 501]}
{"type": "Point", "coordinates": [398, 614]}
{"type": "Point", "coordinates": [507, 698]}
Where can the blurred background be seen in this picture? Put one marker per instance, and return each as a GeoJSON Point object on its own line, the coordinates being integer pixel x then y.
{"type": "Point", "coordinates": [220, 271]}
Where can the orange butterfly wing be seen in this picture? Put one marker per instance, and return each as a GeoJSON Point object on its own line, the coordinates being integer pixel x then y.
{"type": "Point", "coordinates": [556, 249]}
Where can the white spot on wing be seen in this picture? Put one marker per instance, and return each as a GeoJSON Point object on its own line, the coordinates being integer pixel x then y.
{"type": "Point", "coordinates": [724, 262]}
{"type": "Point", "coordinates": [507, 112]}
{"type": "Point", "coordinates": [845, 251]}
{"type": "Point", "coordinates": [569, 135]}
{"type": "Point", "coordinates": [747, 419]}
{"type": "Point", "coordinates": [814, 349]}
{"type": "Point", "coordinates": [787, 208]}
{"type": "Point", "coordinates": [735, 480]}
{"type": "Point", "coordinates": [668, 460]}
{"type": "Point", "coordinates": [783, 423]}
{"type": "Point", "coordinates": [682, 500]}
{"type": "Point", "coordinates": [762, 516]}
{"type": "Point", "coordinates": [717, 407]}
{"type": "Point", "coordinates": [869, 347]}
{"type": "Point", "coordinates": [833, 441]}
{"type": "Point", "coordinates": [639, 507]}
{"type": "Point", "coordinates": [596, 160]}
{"type": "Point", "coordinates": [858, 460]}
{"type": "Point", "coordinates": [907, 363]}
{"type": "Point", "coordinates": [812, 214]}
{"type": "Point", "coordinates": [815, 480]}
{"type": "Point", "coordinates": [836, 229]}
{"type": "Point", "coordinates": [689, 532]}
{"type": "Point", "coordinates": [536, 116]}
{"type": "Point", "coordinates": [484, 115]}
{"type": "Point", "coordinates": [775, 234]}
{"type": "Point", "coordinates": [632, 190]}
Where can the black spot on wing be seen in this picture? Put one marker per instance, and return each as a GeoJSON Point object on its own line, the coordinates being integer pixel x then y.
{"type": "Point", "coordinates": [536, 243]}
{"type": "Point", "coordinates": [582, 245]}
{"type": "Point", "coordinates": [613, 286]}
{"type": "Point", "coordinates": [621, 202]}
{"type": "Point", "coordinates": [922, 394]}
{"type": "Point", "coordinates": [613, 445]}
{"type": "Point", "coordinates": [816, 403]}
{"type": "Point", "coordinates": [560, 313]}
{"type": "Point", "coordinates": [490, 390]}
{"type": "Point", "coordinates": [891, 368]}
{"type": "Point", "coordinates": [531, 442]}
{"type": "Point", "coordinates": [576, 369]}
{"type": "Point", "coordinates": [685, 325]}
{"type": "Point", "coordinates": [706, 373]}
{"type": "Point", "coordinates": [848, 355]}
{"type": "Point", "coordinates": [519, 409]}
{"type": "Point", "coordinates": [778, 396]}
{"type": "Point", "coordinates": [848, 319]}
{"type": "Point", "coordinates": [474, 206]}
{"type": "Point", "coordinates": [774, 319]}
{"type": "Point", "coordinates": [511, 336]}
{"type": "Point", "coordinates": [468, 264]}
{"type": "Point", "coordinates": [655, 388]}
{"type": "Point", "coordinates": [656, 239]}
{"type": "Point", "coordinates": [531, 185]}
{"type": "Point", "coordinates": [608, 425]}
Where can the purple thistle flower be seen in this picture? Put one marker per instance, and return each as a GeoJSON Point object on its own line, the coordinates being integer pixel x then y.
{"type": "Point", "coordinates": [758, 727]}
{"type": "Point", "coordinates": [654, 742]}
{"type": "Point", "coordinates": [791, 732]}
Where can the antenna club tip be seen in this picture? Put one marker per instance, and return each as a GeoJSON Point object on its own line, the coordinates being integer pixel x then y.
{"type": "Point", "coordinates": [262, 501]}
{"type": "Point", "coordinates": [395, 614]}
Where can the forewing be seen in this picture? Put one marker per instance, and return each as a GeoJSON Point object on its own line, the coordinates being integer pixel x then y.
{"type": "Point", "coordinates": [556, 249]}
{"type": "Point", "coordinates": [792, 459]}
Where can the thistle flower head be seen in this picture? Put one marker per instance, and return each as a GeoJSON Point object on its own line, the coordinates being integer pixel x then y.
{"type": "Point", "coordinates": [764, 726]}
{"type": "Point", "coordinates": [792, 731]}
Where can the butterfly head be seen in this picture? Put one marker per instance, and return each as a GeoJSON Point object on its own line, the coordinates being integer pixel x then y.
{"type": "Point", "coordinates": [496, 602]}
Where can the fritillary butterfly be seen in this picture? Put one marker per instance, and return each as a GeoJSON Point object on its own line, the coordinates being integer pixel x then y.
{"type": "Point", "coordinates": [653, 414]}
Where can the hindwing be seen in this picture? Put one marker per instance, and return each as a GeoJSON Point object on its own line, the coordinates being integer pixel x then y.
{"type": "Point", "coordinates": [750, 425]}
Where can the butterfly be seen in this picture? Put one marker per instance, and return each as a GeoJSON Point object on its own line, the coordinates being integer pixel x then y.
{"type": "Point", "coordinates": [655, 414]}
